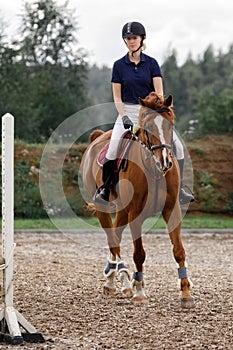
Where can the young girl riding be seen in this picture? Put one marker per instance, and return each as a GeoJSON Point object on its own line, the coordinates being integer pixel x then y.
{"type": "Point", "coordinates": [134, 75]}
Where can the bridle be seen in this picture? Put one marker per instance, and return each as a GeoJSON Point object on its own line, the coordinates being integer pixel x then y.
{"type": "Point", "coordinates": [155, 147]}
{"type": "Point", "coordinates": [150, 148]}
{"type": "Point", "coordinates": [159, 146]}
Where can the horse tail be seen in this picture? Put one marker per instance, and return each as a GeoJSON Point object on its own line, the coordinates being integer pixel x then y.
{"type": "Point", "coordinates": [94, 134]}
{"type": "Point", "coordinates": [91, 208]}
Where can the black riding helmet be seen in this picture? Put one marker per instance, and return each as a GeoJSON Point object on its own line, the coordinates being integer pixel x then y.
{"type": "Point", "coordinates": [134, 29]}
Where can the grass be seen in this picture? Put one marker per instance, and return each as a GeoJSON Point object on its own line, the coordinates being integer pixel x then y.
{"type": "Point", "coordinates": [190, 221]}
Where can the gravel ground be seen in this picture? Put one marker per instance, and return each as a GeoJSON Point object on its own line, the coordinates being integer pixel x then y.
{"type": "Point", "coordinates": [58, 288]}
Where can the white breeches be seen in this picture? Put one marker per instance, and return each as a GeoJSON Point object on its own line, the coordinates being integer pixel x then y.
{"type": "Point", "coordinates": [132, 112]}
{"type": "Point", "coordinates": [179, 150]}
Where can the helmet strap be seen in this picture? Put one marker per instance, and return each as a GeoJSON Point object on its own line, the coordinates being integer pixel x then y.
{"type": "Point", "coordinates": [140, 46]}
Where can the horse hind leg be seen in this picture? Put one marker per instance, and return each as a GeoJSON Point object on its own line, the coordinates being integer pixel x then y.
{"type": "Point", "coordinates": [138, 284]}
{"type": "Point", "coordinates": [174, 227]}
{"type": "Point", "coordinates": [139, 258]}
{"type": "Point", "coordinates": [187, 300]}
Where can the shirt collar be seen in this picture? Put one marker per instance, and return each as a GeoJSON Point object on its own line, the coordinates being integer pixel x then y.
{"type": "Point", "coordinates": [127, 60]}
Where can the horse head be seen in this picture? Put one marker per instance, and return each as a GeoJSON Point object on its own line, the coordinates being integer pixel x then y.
{"type": "Point", "coordinates": [156, 120]}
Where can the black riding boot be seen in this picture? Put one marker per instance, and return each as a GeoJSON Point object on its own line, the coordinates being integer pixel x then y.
{"type": "Point", "coordinates": [184, 196]}
{"type": "Point", "coordinates": [102, 193]}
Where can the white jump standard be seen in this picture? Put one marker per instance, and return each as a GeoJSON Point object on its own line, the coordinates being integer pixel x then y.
{"type": "Point", "coordinates": [10, 319]}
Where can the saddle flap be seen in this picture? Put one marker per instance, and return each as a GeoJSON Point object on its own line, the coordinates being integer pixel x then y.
{"type": "Point", "coordinates": [102, 154]}
{"type": "Point", "coordinates": [123, 146]}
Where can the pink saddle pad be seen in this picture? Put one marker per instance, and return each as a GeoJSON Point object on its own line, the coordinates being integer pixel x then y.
{"type": "Point", "coordinates": [102, 154]}
{"type": "Point", "coordinates": [122, 149]}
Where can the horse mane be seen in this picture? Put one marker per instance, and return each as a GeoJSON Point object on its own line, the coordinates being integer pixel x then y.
{"type": "Point", "coordinates": [157, 103]}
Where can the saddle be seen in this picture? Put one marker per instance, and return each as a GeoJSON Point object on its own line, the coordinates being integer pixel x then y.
{"type": "Point", "coordinates": [123, 149]}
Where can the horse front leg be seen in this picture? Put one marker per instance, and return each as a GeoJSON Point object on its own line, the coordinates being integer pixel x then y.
{"type": "Point", "coordinates": [115, 266]}
{"type": "Point", "coordinates": [121, 221]}
{"type": "Point", "coordinates": [110, 270]}
{"type": "Point", "coordinates": [139, 256]}
{"type": "Point", "coordinates": [173, 220]}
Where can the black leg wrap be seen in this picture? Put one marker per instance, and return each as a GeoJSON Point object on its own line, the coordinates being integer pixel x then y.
{"type": "Point", "coordinates": [121, 266]}
{"type": "Point", "coordinates": [138, 276]}
{"type": "Point", "coordinates": [182, 272]}
{"type": "Point", "coordinates": [110, 268]}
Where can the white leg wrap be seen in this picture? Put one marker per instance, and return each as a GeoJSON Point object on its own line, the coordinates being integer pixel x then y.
{"type": "Point", "coordinates": [125, 280]}
{"type": "Point", "coordinates": [122, 267]}
{"type": "Point", "coordinates": [110, 281]}
{"type": "Point", "coordinates": [139, 286]}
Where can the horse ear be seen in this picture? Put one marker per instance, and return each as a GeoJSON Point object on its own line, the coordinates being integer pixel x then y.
{"type": "Point", "coordinates": [141, 101]}
{"type": "Point", "coordinates": [168, 101]}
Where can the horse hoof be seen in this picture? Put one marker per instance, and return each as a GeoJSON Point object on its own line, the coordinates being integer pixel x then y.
{"type": "Point", "coordinates": [138, 300]}
{"type": "Point", "coordinates": [187, 303]}
{"type": "Point", "coordinates": [109, 291]}
{"type": "Point", "coordinates": [128, 292]}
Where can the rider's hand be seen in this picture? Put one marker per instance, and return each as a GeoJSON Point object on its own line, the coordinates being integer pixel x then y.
{"type": "Point", "coordinates": [128, 124]}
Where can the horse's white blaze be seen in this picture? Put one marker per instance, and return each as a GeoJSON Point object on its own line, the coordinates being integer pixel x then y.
{"type": "Point", "coordinates": [159, 123]}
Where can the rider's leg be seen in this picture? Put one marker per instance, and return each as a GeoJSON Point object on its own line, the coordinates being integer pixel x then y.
{"type": "Point", "coordinates": [107, 176]}
{"type": "Point", "coordinates": [183, 196]}
{"type": "Point", "coordinates": [102, 194]}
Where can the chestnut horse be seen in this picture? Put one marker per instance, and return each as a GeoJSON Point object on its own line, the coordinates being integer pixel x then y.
{"type": "Point", "coordinates": [150, 183]}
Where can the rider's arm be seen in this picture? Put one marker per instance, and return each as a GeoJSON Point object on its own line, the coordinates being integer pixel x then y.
{"type": "Point", "coordinates": [116, 90]}
{"type": "Point", "coordinates": [158, 85]}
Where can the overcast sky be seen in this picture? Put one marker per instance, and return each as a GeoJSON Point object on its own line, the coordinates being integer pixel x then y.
{"type": "Point", "coordinates": [184, 25]}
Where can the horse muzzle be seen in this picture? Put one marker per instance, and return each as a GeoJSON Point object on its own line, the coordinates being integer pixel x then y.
{"type": "Point", "coordinates": [167, 168]}
{"type": "Point", "coordinates": [163, 167]}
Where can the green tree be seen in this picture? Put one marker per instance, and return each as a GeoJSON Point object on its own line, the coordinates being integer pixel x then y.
{"type": "Point", "coordinates": [99, 84]}
{"type": "Point", "coordinates": [190, 80]}
{"type": "Point", "coordinates": [43, 76]}
{"type": "Point", "coordinates": [202, 90]}
{"type": "Point", "coordinates": [215, 115]}
{"type": "Point", "coordinates": [48, 34]}
{"type": "Point", "coordinates": [208, 66]}
{"type": "Point", "coordinates": [16, 90]}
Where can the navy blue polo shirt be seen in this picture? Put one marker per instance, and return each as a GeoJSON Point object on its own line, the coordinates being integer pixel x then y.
{"type": "Point", "coordinates": [136, 80]}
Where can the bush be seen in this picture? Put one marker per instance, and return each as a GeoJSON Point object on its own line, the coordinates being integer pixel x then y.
{"type": "Point", "coordinates": [27, 201]}
{"type": "Point", "coordinates": [229, 204]}
{"type": "Point", "coordinates": [27, 197]}
{"type": "Point", "coordinates": [207, 194]}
